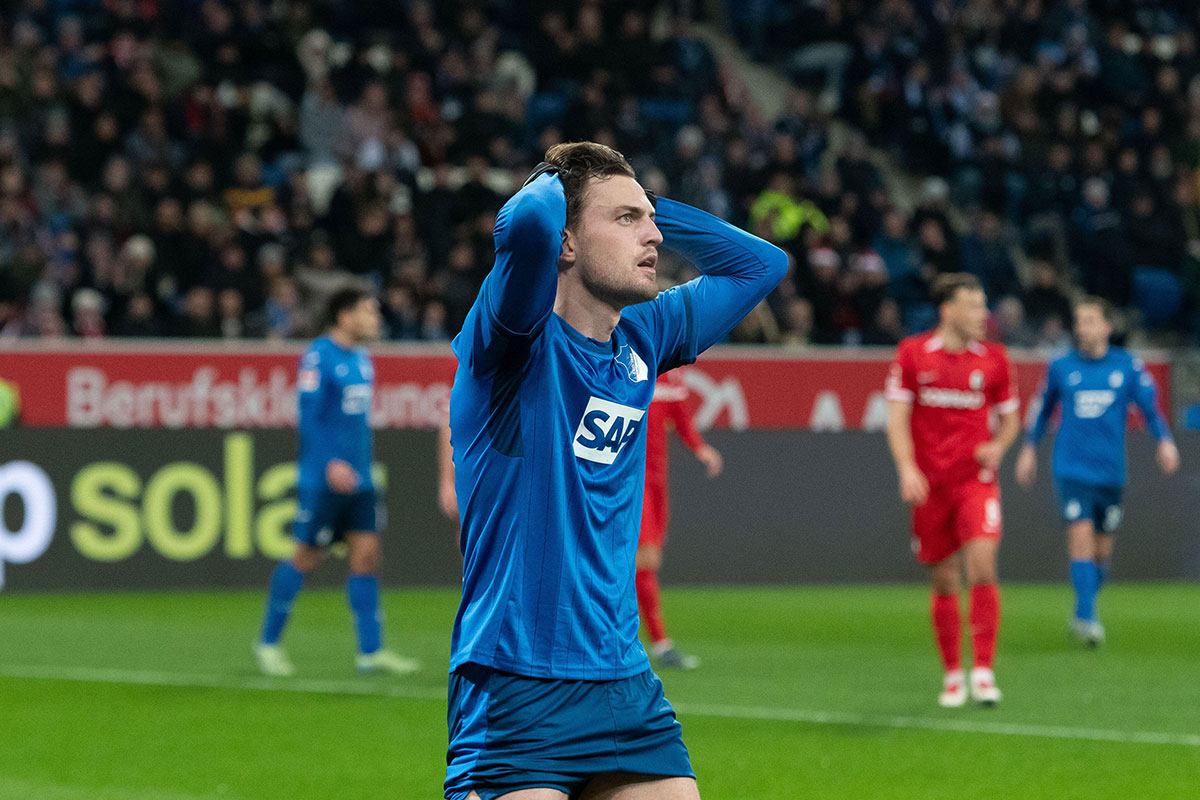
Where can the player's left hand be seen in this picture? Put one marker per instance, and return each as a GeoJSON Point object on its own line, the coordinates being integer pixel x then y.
{"type": "Point", "coordinates": [711, 459]}
{"type": "Point", "coordinates": [989, 455]}
{"type": "Point", "coordinates": [1168, 456]}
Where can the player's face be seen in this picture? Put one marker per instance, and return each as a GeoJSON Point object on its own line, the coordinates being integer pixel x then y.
{"type": "Point", "coordinates": [615, 243]}
{"type": "Point", "coordinates": [966, 314]}
{"type": "Point", "coordinates": [363, 321]}
{"type": "Point", "coordinates": [1092, 330]}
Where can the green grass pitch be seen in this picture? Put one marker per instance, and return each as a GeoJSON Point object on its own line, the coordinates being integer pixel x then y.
{"type": "Point", "coordinates": [806, 692]}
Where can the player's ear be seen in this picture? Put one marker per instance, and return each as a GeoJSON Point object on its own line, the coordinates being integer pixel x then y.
{"type": "Point", "coordinates": [566, 259]}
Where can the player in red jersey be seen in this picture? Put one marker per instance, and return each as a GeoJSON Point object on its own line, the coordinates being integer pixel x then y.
{"type": "Point", "coordinates": [668, 409]}
{"type": "Point", "coordinates": [941, 391]}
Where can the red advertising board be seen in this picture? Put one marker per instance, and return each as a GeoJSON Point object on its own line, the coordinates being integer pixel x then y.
{"type": "Point", "coordinates": [252, 386]}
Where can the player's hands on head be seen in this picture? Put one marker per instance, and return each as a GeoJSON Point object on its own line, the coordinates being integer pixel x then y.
{"type": "Point", "coordinates": [1168, 456]}
{"type": "Point", "coordinates": [914, 486]}
{"type": "Point", "coordinates": [544, 168]}
{"type": "Point", "coordinates": [1027, 466]}
{"type": "Point", "coordinates": [341, 477]}
{"type": "Point", "coordinates": [989, 455]}
{"type": "Point", "coordinates": [711, 459]}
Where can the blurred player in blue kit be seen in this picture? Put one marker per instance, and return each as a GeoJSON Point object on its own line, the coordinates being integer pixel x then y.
{"type": "Point", "coordinates": [1094, 385]}
{"type": "Point", "coordinates": [335, 495]}
{"type": "Point", "coordinates": [551, 693]}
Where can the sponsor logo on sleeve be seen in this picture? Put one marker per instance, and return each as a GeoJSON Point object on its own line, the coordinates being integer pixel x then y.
{"type": "Point", "coordinates": [309, 380]}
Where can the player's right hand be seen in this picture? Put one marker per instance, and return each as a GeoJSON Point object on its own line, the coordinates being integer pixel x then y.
{"type": "Point", "coordinates": [341, 477]}
{"type": "Point", "coordinates": [1027, 466]}
{"type": "Point", "coordinates": [914, 487]}
{"type": "Point", "coordinates": [711, 459]}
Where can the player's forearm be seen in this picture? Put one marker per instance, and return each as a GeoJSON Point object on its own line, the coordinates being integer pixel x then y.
{"type": "Point", "coordinates": [684, 426]}
{"type": "Point", "coordinates": [1009, 429]}
{"type": "Point", "coordinates": [445, 455]}
{"type": "Point", "coordinates": [1155, 422]}
{"type": "Point", "coordinates": [1038, 429]}
{"type": "Point", "coordinates": [899, 437]}
{"type": "Point", "coordinates": [740, 269]}
{"type": "Point", "coordinates": [521, 287]}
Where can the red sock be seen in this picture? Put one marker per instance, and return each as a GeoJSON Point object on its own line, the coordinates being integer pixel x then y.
{"type": "Point", "coordinates": [947, 627]}
{"type": "Point", "coordinates": [985, 622]}
{"type": "Point", "coordinates": [648, 604]}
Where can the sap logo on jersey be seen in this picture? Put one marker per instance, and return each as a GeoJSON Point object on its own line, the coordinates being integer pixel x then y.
{"type": "Point", "coordinates": [1093, 403]}
{"type": "Point", "coordinates": [605, 429]}
{"type": "Point", "coordinates": [356, 399]}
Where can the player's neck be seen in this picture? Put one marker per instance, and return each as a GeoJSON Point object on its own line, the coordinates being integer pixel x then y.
{"type": "Point", "coordinates": [585, 313]}
{"type": "Point", "coordinates": [1096, 352]}
{"type": "Point", "coordinates": [951, 341]}
{"type": "Point", "coordinates": [342, 339]}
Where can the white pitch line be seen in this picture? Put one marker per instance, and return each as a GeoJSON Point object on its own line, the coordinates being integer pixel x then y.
{"type": "Point", "coordinates": [219, 681]}
{"type": "Point", "coordinates": [369, 689]}
{"type": "Point", "coordinates": [948, 724]}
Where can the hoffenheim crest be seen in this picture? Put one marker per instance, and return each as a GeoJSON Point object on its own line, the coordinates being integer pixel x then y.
{"type": "Point", "coordinates": [975, 381]}
{"type": "Point", "coordinates": [1116, 379]}
{"type": "Point", "coordinates": [633, 364]}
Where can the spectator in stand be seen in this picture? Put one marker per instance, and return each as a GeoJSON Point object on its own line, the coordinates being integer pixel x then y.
{"type": "Point", "coordinates": [985, 254]}
{"type": "Point", "coordinates": [217, 124]}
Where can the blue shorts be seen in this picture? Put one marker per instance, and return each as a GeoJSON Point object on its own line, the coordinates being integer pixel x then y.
{"type": "Point", "coordinates": [1082, 501]}
{"type": "Point", "coordinates": [323, 517]}
{"type": "Point", "coordinates": [510, 732]}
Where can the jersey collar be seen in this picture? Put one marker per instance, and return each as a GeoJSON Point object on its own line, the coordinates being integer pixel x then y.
{"type": "Point", "coordinates": [936, 343]}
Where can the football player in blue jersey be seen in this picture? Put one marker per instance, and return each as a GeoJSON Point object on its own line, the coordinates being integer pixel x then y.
{"type": "Point", "coordinates": [551, 693]}
{"type": "Point", "coordinates": [1094, 385]}
{"type": "Point", "coordinates": [335, 494]}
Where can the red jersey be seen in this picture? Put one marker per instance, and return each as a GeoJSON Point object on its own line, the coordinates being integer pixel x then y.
{"type": "Point", "coordinates": [952, 395]}
{"type": "Point", "coordinates": [668, 408]}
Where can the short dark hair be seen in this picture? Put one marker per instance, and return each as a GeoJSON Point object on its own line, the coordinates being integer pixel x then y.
{"type": "Point", "coordinates": [1106, 308]}
{"type": "Point", "coordinates": [344, 300]}
{"type": "Point", "coordinates": [947, 285]}
{"type": "Point", "coordinates": [578, 162]}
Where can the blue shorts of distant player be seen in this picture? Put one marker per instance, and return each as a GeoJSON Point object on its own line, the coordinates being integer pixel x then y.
{"type": "Point", "coordinates": [324, 517]}
{"type": "Point", "coordinates": [1083, 501]}
{"type": "Point", "coordinates": [511, 732]}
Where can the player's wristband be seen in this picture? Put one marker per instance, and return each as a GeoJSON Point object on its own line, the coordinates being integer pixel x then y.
{"type": "Point", "coordinates": [544, 168]}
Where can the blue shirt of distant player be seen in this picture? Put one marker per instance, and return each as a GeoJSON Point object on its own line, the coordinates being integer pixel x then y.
{"type": "Point", "coordinates": [1095, 394]}
{"type": "Point", "coordinates": [334, 385]}
{"type": "Point", "coordinates": [549, 437]}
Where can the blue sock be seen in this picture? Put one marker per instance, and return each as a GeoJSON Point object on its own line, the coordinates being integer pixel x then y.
{"type": "Point", "coordinates": [1102, 568]}
{"type": "Point", "coordinates": [363, 593]}
{"type": "Point", "coordinates": [286, 581]}
{"type": "Point", "coordinates": [1083, 577]}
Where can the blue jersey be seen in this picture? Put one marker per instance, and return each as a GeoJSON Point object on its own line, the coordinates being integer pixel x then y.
{"type": "Point", "coordinates": [1095, 394]}
{"type": "Point", "coordinates": [549, 436]}
{"type": "Point", "coordinates": [334, 385]}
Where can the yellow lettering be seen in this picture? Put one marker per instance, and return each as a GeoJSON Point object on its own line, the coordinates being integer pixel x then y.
{"type": "Point", "coordinates": [157, 504]}
{"type": "Point", "coordinates": [100, 493]}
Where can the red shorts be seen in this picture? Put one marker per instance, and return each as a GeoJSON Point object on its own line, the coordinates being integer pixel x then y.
{"type": "Point", "coordinates": [952, 515]}
{"type": "Point", "coordinates": [654, 514]}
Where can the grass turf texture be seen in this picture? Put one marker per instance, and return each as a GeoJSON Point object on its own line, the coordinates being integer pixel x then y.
{"type": "Point", "coordinates": [825, 692]}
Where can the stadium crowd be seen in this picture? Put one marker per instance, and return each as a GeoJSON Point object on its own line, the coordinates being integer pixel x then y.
{"type": "Point", "coordinates": [212, 168]}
